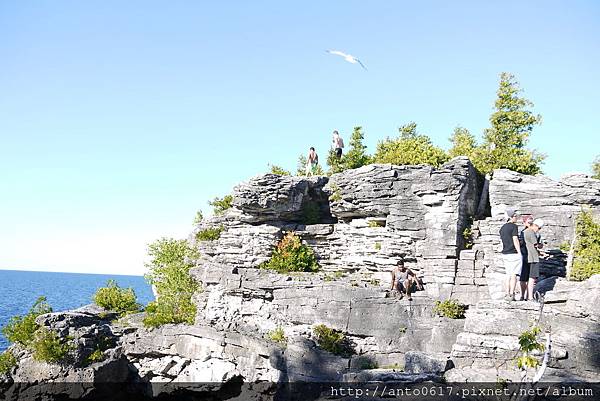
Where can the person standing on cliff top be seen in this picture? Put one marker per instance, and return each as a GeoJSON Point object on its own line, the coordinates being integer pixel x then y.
{"type": "Point", "coordinates": [511, 252]}
{"type": "Point", "coordinates": [337, 144]}
{"type": "Point", "coordinates": [312, 161]}
{"type": "Point", "coordinates": [533, 255]}
{"type": "Point", "coordinates": [403, 279]}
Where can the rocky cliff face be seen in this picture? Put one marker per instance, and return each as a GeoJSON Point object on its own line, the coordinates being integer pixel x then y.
{"type": "Point", "coordinates": [359, 223]}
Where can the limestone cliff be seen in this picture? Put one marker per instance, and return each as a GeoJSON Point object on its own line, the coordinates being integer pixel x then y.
{"type": "Point", "coordinates": [359, 223]}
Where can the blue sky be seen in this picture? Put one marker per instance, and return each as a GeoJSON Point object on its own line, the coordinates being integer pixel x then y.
{"type": "Point", "coordinates": [118, 120]}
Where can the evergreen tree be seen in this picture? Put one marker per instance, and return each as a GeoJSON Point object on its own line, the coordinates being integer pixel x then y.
{"type": "Point", "coordinates": [511, 124]}
{"type": "Point", "coordinates": [463, 143]}
{"type": "Point", "coordinates": [357, 155]}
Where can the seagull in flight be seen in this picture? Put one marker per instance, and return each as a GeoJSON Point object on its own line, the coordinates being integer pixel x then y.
{"type": "Point", "coordinates": [349, 58]}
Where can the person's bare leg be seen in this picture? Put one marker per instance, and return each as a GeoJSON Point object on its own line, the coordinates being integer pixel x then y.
{"type": "Point", "coordinates": [523, 289]}
{"type": "Point", "coordinates": [531, 288]}
{"type": "Point", "coordinates": [407, 285]}
{"type": "Point", "coordinates": [513, 285]}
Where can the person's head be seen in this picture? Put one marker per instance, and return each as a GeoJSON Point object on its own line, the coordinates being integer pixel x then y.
{"type": "Point", "coordinates": [312, 149]}
{"type": "Point", "coordinates": [527, 220]}
{"type": "Point", "coordinates": [335, 133]}
{"type": "Point", "coordinates": [537, 225]}
{"type": "Point", "coordinates": [511, 214]}
{"type": "Point", "coordinates": [400, 265]}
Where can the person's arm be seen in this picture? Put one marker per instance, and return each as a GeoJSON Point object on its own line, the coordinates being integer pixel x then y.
{"type": "Point", "coordinates": [393, 279]}
{"type": "Point", "coordinates": [412, 273]}
{"type": "Point", "coordinates": [515, 237]}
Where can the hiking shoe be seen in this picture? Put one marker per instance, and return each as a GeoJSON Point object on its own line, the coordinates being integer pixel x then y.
{"type": "Point", "coordinates": [409, 298]}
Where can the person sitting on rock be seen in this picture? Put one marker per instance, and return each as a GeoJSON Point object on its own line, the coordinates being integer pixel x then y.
{"type": "Point", "coordinates": [403, 279]}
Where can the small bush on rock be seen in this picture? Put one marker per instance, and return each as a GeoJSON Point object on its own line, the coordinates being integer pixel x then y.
{"type": "Point", "coordinates": [169, 273]}
{"type": "Point", "coordinates": [220, 205]}
{"type": "Point", "coordinates": [210, 234]}
{"type": "Point", "coordinates": [450, 308]}
{"type": "Point", "coordinates": [7, 362]}
{"type": "Point", "coordinates": [48, 347]}
{"type": "Point", "coordinates": [278, 170]}
{"type": "Point", "coordinates": [21, 329]}
{"type": "Point", "coordinates": [291, 255]}
{"type": "Point", "coordinates": [587, 247]}
{"type": "Point", "coordinates": [278, 336]}
{"type": "Point", "coordinates": [528, 343]}
{"type": "Point", "coordinates": [332, 340]}
{"type": "Point", "coordinates": [116, 299]}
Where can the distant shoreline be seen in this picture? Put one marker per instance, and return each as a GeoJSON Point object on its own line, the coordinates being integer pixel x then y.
{"type": "Point", "coordinates": [70, 272]}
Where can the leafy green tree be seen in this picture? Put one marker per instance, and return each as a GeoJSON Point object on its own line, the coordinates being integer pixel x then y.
{"type": "Point", "coordinates": [21, 329]}
{"type": "Point", "coordinates": [301, 166]}
{"type": "Point", "coordinates": [410, 148]}
{"type": "Point", "coordinates": [198, 218]}
{"type": "Point", "coordinates": [274, 169]}
{"type": "Point", "coordinates": [596, 168]}
{"type": "Point", "coordinates": [334, 163]}
{"type": "Point", "coordinates": [169, 268]}
{"type": "Point", "coordinates": [116, 299]}
{"type": "Point", "coordinates": [463, 143]}
{"type": "Point", "coordinates": [511, 125]}
{"type": "Point", "coordinates": [220, 205]}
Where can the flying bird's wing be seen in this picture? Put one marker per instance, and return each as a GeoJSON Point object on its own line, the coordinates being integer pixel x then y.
{"type": "Point", "coordinates": [337, 53]}
{"type": "Point", "coordinates": [362, 65]}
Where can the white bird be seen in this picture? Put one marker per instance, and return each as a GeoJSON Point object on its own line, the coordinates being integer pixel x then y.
{"type": "Point", "coordinates": [349, 58]}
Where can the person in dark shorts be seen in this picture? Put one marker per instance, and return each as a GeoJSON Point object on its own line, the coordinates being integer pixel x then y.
{"type": "Point", "coordinates": [524, 275]}
{"type": "Point", "coordinates": [511, 252]}
{"type": "Point", "coordinates": [337, 144]}
{"type": "Point", "coordinates": [533, 256]}
{"type": "Point", "coordinates": [403, 279]}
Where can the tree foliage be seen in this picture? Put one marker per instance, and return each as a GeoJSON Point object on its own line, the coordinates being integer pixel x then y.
{"type": "Point", "coordinates": [587, 247]}
{"type": "Point", "coordinates": [116, 299]}
{"type": "Point", "coordinates": [21, 329]}
{"type": "Point", "coordinates": [220, 205]}
{"type": "Point", "coordinates": [274, 169]}
{"type": "Point", "coordinates": [529, 343]}
{"type": "Point", "coordinates": [596, 168]}
{"type": "Point", "coordinates": [463, 143]}
{"type": "Point", "coordinates": [511, 125]}
{"type": "Point", "coordinates": [410, 148]}
{"type": "Point", "coordinates": [169, 267]}
{"type": "Point", "coordinates": [291, 255]}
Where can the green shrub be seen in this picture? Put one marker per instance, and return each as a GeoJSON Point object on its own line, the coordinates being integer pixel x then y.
{"type": "Point", "coordinates": [355, 157]}
{"type": "Point", "coordinates": [587, 247]}
{"type": "Point", "coordinates": [528, 343]}
{"type": "Point", "coordinates": [116, 299]}
{"type": "Point", "coordinates": [7, 362]}
{"type": "Point", "coordinates": [198, 218]}
{"type": "Point", "coordinates": [376, 223]}
{"type": "Point", "coordinates": [565, 246]}
{"type": "Point", "coordinates": [310, 213]}
{"type": "Point", "coordinates": [96, 356]}
{"type": "Point", "coordinates": [278, 170]}
{"type": "Point", "coordinates": [278, 336]}
{"type": "Point", "coordinates": [291, 255]}
{"type": "Point", "coordinates": [410, 148]}
{"type": "Point", "coordinates": [171, 261]}
{"type": "Point", "coordinates": [332, 340]}
{"type": "Point", "coordinates": [220, 205]}
{"type": "Point", "coordinates": [468, 237]}
{"type": "Point", "coordinates": [378, 246]}
{"type": "Point", "coordinates": [21, 329]}
{"type": "Point", "coordinates": [210, 234]}
{"type": "Point", "coordinates": [336, 194]}
{"type": "Point", "coordinates": [596, 168]}
{"type": "Point", "coordinates": [48, 347]}
{"type": "Point", "coordinates": [450, 308]}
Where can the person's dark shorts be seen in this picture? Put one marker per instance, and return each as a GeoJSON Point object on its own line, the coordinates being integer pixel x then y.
{"type": "Point", "coordinates": [525, 268]}
{"type": "Point", "coordinates": [338, 152]}
{"type": "Point", "coordinates": [534, 270]}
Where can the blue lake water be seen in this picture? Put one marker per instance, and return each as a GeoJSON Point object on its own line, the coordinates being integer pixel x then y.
{"type": "Point", "coordinates": [20, 289]}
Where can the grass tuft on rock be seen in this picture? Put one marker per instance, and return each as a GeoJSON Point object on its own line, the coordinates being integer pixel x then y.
{"type": "Point", "coordinates": [209, 234]}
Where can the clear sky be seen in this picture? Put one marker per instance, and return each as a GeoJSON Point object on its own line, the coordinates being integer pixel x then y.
{"type": "Point", "coordinates": [120, 119]}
